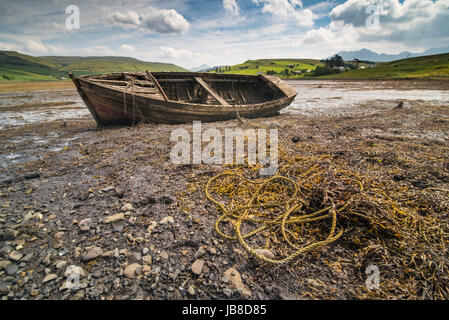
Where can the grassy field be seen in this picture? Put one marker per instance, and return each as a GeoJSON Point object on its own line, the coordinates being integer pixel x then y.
{"type": "Point", "coordinates": [436, 66]}
{"type": "Point", "coordinates": [253, 67]}
{"type": "Point", "coordinates": [15, 66]}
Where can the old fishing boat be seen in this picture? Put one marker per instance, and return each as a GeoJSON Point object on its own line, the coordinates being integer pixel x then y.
{"type": "Point", "coordinates": [177, 97]}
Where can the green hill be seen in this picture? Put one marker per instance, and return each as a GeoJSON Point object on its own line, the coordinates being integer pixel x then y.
{"type": "Point", "coordinates": [436, 66]}
{"type": "Point", "coordinates": [285, 68]}
{"type": "Point", "coordinates": [20, 67]}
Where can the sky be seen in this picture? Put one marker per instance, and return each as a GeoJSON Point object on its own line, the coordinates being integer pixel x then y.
{"type": "Point", "coordinates": [191, 33]}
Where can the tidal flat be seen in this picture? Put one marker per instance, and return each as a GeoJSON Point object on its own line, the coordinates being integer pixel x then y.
{"type": "Point", "coordinates": [112, 203]}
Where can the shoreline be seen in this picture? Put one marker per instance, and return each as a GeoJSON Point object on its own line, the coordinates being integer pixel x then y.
{"type": "Point", "coordinates": [53, 209]}
{"type": "Point", "coordinates": [62, 179]}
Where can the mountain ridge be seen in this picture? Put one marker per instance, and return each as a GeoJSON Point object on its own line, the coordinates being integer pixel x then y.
{"type": "Point", "coordinates": [369, 55]}
{"type": "Point", "coordinates": [21, 67]}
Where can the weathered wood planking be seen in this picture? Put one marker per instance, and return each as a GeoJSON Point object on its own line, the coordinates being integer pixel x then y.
{"type": "Point", "coordinates": [211, 92]}
{"type": "Point", "coordinates": [223, 97]}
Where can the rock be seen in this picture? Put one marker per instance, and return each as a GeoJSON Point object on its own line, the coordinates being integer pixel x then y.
{"type": "Point", "coordinates": [114, 218]}
{"type": "Point", "coordinates": [164, 255]}
{"type": "Point", "coordinates": [60, 264]}
{"type": "Point", "coordinates": [145, 251]}
{"type": "Point", "coordinates": [213, 251]}
{"type": "Point", "coordinates": [59, 235]}
{"type": "Point", "coordinates": [107, 189]}
{"type": "Point", "coordinates": [5, 288]}
{"type": "Point", "coordinates": [134, 257]}
{"type": "Point", "coordinates": [73, 271]}
{"type": "Point", "coordinates": [112, 254]}
{"type": "Point", "coordinates": [4, 264]}
{"type": "Point", "coordinates": [8, 234]}
{"type": "Point", "coordinates": [147, 260]}
{"type": "Point", "coordinates": [200, 252]}
{"type": "Point", "coordinates": [227, 292]}
{"type": "Point", "coordinates": [92, 253]}
{"type": "Point", "coordinates": [12, 269]}
{"type": "Point", "coordinates": [78, 296]}
{"type": "Point", "coordinates": [197, 266]}
{"type": "Point", "coordinates": [85, 224]}
{"type": "Point", "coordinates": [236, 281]}
{"type": "Point", "coordinates": [265, 252]}
{"type": "Point", "coordinates": [50, 277]}
{"type": "Point", "coordinates": [191, 290]}
{"type": "Point", "coordinates": [15, 256]}
{"type": "Point", "coordinates": [127, 207]}
{"type": "Point", "coordinates": [168, 219]}
{"type": "Point", "coordinates": [133, 270]}
{"type": "Point", "coordinates": [151, 226]}
{"type": "Point", "coordinates": [28, 257]}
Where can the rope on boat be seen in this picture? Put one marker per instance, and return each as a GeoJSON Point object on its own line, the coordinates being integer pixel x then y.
{"type": "Point", "coordinates": [130, 84]}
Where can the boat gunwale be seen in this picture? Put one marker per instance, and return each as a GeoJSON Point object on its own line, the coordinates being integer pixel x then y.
{"type": "Point", "coordinates": [243, 107]}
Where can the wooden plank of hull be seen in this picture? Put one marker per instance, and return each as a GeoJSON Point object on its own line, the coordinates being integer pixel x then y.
{"type": "Point", "coordinates": [212, 92]}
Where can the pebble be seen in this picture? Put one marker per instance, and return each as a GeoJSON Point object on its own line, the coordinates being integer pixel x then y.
{"type": "Point", "coordinates": [151, 226]}
{"type": "Point", "coordinates": [164, 255]}
{"type": "Point", "coordinates": [15, 256]}
{"type": "Point", "coordinates": [134, 257]}
{"type": "Point", "coordinates": [78, 296]}
{"type": "Point", "coordinates": [12, 269]}
{"type": "Point", "coordinates": [197, 266]}
{"type": "Point", "coordinates": [50, 277]}
{"type": "Point", "coordinates": [191, 290]}
{"type": "Point", "coordinates": [85, 224]}
{"type": "Point", "coordinates": [265, 252]}
{"type": "Point", "coordinates": [114, 218]}
{"type": "Point", "coordinates": [73, 271]}
{"type": "Point", "coordinates": [92, 253]}
{"type": "Point", "coordinates": [200, 252]}
{"type": "Point", "coordinates": [227, 292]}
{"type": "Point", "coordinates": [127, 207]}
{"type": "Point", "coordinates": [147, 260]}
{"type": "Point", "coordinates": [4, 264]}
{"type": "Point", "coordinates": [59, 235]}
{"type": "Point", "coordinates": [28, 257]}
{"type": "Point", "coordinates": [133, 270]}
{"type": "Point", "coordinates": [236, 280]}
{"type": "Point", "coordinates": [213, 251]}
{"type": "Point", "coordinates": [168, 219]}
{"type": "Point", "coordinates": [60, 264]}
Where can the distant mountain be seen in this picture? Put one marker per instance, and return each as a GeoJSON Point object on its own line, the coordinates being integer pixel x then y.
{"type": "Point", "coordinates": [368, 55]}
{"type": "Point", "coordinates": [200, 68]}
{"type": "Point", "coordinates": [21, 67]}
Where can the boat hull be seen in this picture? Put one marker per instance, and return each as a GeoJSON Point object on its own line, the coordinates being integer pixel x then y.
{"type": "Point", "coordinates": [114, 107]}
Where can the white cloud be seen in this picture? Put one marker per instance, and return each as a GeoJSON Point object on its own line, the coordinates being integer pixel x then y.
{"type": "Point", "coordinates": [125, 48]}
{"type": "Point", "coordinates": [166, 21]}
{"type": "Point", "coordinates": [231, 6]}
{"type": "Point", "coordinates": [7, 46]}
{"type": "Point", "coordinates": [131, 18]}
{"type": "Point", "coordinates": [35, 47]}
{"type": "Point", "coordinates": [410, 22]}
{"type": "Point", "coordinates": [286, 9]}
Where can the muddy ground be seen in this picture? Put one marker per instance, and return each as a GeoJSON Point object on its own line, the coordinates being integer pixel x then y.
{"type": "Point", "coordinates": [160, 230]}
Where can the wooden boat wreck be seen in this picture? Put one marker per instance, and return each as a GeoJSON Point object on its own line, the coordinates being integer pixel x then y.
{"type": "Point", "coordinates": [179, 97]}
